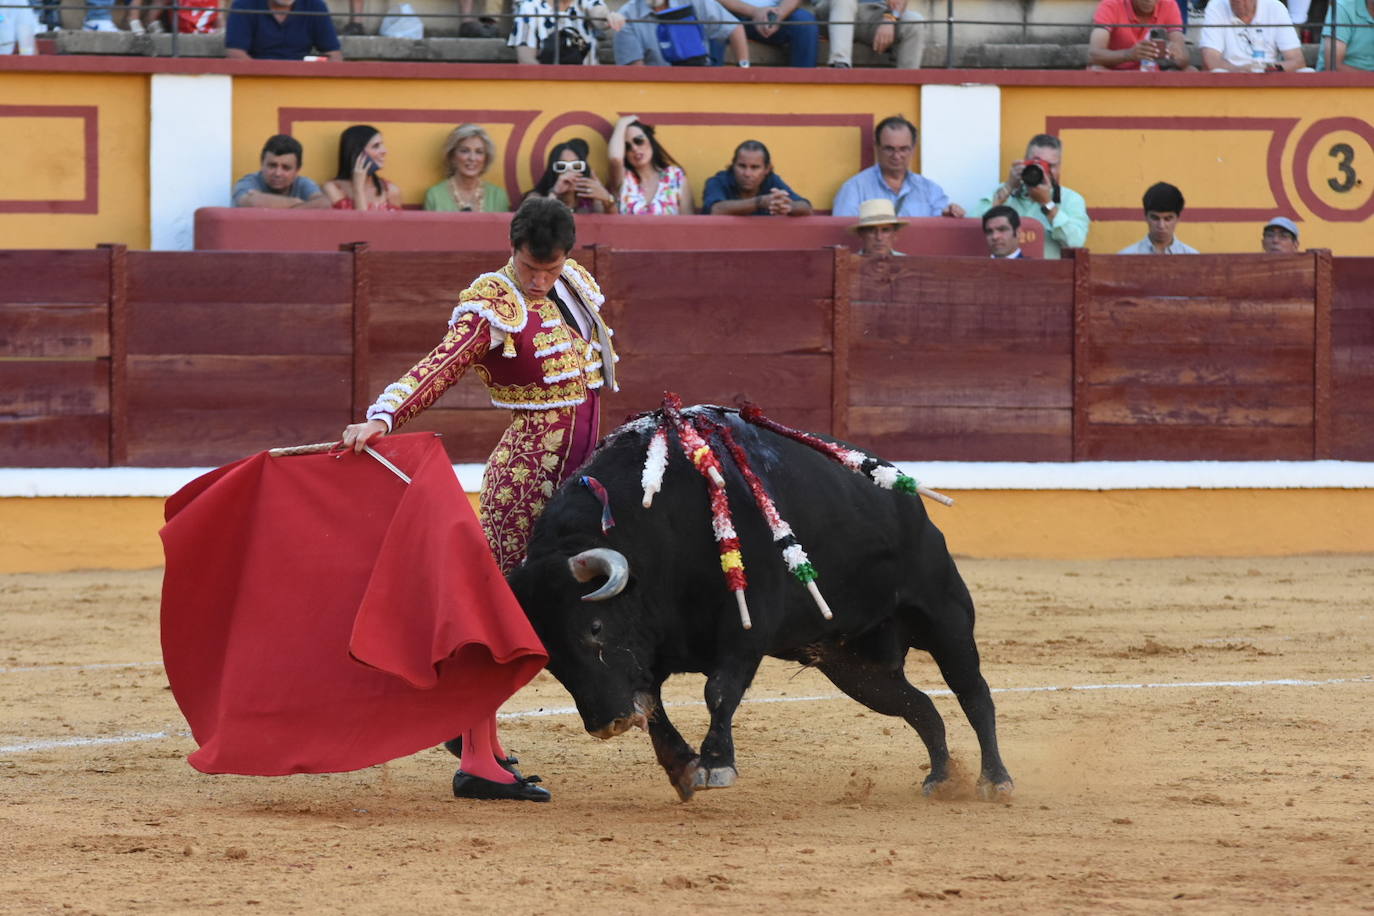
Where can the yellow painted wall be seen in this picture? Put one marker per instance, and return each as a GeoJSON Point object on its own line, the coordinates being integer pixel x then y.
{"type": "Point", "coordinates": [1223, 163]}
{"type": "Point", "coordinates": [814, 160]}
{"type": "Point", "coordinates": [48, 535]}
{"type": "Point", "coordinates": [47, 159]}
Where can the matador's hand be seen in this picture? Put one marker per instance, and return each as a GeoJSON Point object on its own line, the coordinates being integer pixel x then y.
{"type": "Point", "coordinates": [358, 435]}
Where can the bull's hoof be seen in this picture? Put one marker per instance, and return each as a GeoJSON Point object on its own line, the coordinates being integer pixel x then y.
{"type": "Point", "coordinates": [715, 778]}
{"type": "Point", "coordinates": [995, 791]}
{"type": "Point", "coordinates": [937, 786]}
{"type": "Point", "coordinates": [684, 780]}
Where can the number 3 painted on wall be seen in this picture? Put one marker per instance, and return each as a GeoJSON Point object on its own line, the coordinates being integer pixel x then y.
{"type": "Point", "coordinates": [1344, 154]}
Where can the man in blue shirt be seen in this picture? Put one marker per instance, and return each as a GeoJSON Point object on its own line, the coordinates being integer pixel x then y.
{"type": "Point", "coordinates": [892, 178]}
{"type": "Point", "coordinates": [749, 187]}
{"type": "Point", "coordinates": [275, 30]}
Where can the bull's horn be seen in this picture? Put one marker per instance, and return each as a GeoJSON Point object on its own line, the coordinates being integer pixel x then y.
{"type": "Point", "coordinates": [601, 561]}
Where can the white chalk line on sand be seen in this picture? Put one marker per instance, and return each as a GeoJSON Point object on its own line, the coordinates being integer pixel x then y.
{"type": "Point", "coordinates": [49, 745]}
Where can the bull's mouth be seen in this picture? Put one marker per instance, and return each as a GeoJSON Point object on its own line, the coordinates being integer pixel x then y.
{"type": "Point", "coordinates": [638, 719]}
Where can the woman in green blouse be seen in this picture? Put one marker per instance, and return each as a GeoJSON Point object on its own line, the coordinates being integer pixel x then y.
{"type": "Point", "coordinates": [468, 153]}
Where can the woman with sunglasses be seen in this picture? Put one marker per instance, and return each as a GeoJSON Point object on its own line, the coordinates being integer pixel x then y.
{"type": "Point", "coordinates": [647, 178]}
{"type": "Point", "coordinates": [569, 178]}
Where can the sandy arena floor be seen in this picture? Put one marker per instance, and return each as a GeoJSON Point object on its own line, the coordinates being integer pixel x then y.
{"type": "Point", "coordinates": [1185, 795]}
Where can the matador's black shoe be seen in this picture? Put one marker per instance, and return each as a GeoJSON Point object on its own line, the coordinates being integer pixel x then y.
{"type": "Point", "coordinates": [465, 785]}
{"type": "Point", "coordinates": [455, 747]}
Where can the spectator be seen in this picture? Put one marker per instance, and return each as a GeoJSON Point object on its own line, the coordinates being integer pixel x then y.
{"type": "Point", "coordinates": [1061, 209]}
{"type": "Point", "coordinates": [877, 228]}
{"type": "Point", "coordinates": [353, 26]}
{"type": "Point", "coordinates": [646, 178]}
{"type": "Point", "coordinates": [912, 195]}
{"type": "Point", "coordinates": [638, 43]}
{"type": "Point", "coordinates": [1354, 37]}
{"type": "Point", "coordinates": [147, 20]}
{"type": "Point", "coordinates": [357, 185]}
{"type": "Point", "coordinates": [1001, 226]}
{"type": "Point", "coordinates": [277, 30]}
{"type": "Point", "coordinates": [1267, 42]}
{"type": "Point", "coordinates": [569, 178]}
{"type": "Point", "coordinates": [1280, 235]}
{"type": "Point", "coordinates": [468, 153]}
{"type": "Point", "coordinates": [18, 25]}
{"type": "Point", "coordinates": [100, 16]}
{"type": "Point", "coordinates": [750, 187]}
{"type": "Point", "coordinates": [1163, 206]}
{"type": "Point", "coordinates": [1120, 39]}
{"type": "Point", "coordinates": [880, 24]}
{"type": "Point", "coordinates": [560, 31]}
{"type": "Point", "coordinates": [783, 23]}
{"type": "Point", "coordinates": [49, 14]}
{"type": "Point", "coordinates": [279, 184]}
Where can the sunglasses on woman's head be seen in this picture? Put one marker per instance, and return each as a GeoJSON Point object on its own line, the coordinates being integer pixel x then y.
{"type": "Point", "coordinates": [563, 165]}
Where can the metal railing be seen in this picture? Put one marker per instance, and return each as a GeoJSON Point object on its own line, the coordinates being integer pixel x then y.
{"type": "Point", "coordinates": [949, 22]}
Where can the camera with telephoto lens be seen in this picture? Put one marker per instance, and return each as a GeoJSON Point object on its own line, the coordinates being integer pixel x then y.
{"type": "Point", "coordinates": [1035, 172]}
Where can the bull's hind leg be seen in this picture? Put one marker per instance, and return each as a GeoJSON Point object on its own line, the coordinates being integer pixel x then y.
{"type": "Point", "coordinates": [957, 655]}
{"type": "Point", "coordinates": [885, 690]}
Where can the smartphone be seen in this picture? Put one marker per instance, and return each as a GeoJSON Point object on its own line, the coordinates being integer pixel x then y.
{"type": "Point", "coordinates": [371, 164]}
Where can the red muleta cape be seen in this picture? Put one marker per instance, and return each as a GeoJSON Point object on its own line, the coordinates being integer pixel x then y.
{"type": "Point", "coordinates": [320, 615]}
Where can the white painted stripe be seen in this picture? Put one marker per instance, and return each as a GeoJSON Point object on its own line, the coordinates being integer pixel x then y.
{"type": "Point", "coordinates": [95, 667]}
{"type": "Point", "coordinates": [943, 475]}
{"type": "Point", "coordinates": [543, 712]}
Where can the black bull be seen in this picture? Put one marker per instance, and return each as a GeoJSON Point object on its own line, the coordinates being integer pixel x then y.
{"type": "Point", "coordinates": [883, 568]}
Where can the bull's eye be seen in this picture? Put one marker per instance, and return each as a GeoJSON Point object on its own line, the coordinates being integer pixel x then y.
{"type": "Point", "coordinates": [596, 627]}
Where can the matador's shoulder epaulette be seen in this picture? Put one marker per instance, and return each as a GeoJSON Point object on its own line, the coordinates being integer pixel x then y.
{"type": "Point", "coordinates": [495, 298]}
{"type": "Point", "coordinates": [586, 284]}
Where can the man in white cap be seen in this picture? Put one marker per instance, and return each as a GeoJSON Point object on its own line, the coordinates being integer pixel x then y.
{"type": "Point", "coordinates": [877, 227]}
{"type": "Point", "coordinates": [1280, 236]}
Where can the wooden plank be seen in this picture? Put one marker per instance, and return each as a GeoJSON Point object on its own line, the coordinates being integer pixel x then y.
{"type": "Point", "coordinates": [769, 380]}
{"type": "Point", "coordinates": [991, 322]}
{"type": "Point", "coordinates": [670, 325]}
{"type": "Point", "coordinates": [167, 326]}
{"type": "Point", "coordinates": [1082, 302]}
{"type": "Point", "coordinates": [54, 330]}
{"type": "Point", "coordinates": [1259, 407]}
{"type": "Point", "coordinates": [360, 336]}
{"type": "Point", "coordinates": [1321, 362]}
{"type": "Point", "coordinates": [1352, 359]}
{"type": "Point", "coordinates": [217, 384]}
{"type": "Point", "coordinates": [179, 437]}
{"type": "Point", "coordinates": [841, 330]}
{"type": "Point", "coordinates": [52, 277]}
{"type": "Point", "coordinates": [1243, 277]}
{"type": "Point", "coordinates": [64, 441]}
{"type": "Point", "coordinates": [1219, 363]}
{"type": "Point", "coordinates": [731, 280]}
{"type": "Point", "coordinates": [1195, 443]}
{"type": "Point", "coordinates": [51, 388]}
{"type": "Point", "coordinates": [1155, 319]}
{"type": "Point", "coordinates": [239, 276]}
{"type": "Point", "coordinates": [962, 434]}
{"type": "Point", "coordinates": [1352, 434]}
{"type": "Point", "coordinates": [950, 377]}
{"type": "Point", "coordinates": [964, 280]}
{"type": "Point", "coordinates": [119, 352]}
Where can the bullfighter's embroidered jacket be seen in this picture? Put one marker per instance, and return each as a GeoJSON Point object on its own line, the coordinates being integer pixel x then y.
{"type": "Point", "coordinates": [523, 351]}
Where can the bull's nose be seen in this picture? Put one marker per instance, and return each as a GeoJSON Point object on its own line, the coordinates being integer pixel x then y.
{"type": "Point", "coordinates": [620, 726]}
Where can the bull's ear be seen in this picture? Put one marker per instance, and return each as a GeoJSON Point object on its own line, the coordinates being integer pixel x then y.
{"type": "Point", "coordinates": [601, 561]}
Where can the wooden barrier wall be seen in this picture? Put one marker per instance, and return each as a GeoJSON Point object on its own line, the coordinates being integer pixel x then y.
{"type": "Point", "coordinates": [198, 358]}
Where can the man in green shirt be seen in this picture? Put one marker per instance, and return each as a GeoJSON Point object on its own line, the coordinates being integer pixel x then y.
{"type": "Point", "coordinates": [1354, 47]}
{"type": "Point", "coordinates": [1040, 196]}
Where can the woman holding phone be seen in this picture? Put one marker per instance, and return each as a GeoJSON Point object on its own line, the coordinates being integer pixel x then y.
{"type": "Point", "coordinates": [357, 186]}
{"type": "Point", "coordinates": [569, 178]}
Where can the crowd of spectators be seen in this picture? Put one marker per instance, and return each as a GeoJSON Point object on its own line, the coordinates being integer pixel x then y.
{"type": "Point", "coordinates": [1235, 35]}
{"type": "Point", "coordinates": [644, 178]}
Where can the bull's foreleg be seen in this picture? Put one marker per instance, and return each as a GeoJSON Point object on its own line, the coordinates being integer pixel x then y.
{"type": "Point", "coordinates": [724, 689]}
{"type": "Point", "coordinates": [674, 754]}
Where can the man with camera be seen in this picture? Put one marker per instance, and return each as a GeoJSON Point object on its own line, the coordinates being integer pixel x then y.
{"type": "Point", "coordinates": [1137, 35]}
{"type": "Point", "coordinates": [1032, 189]}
